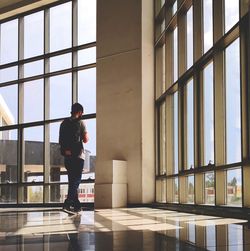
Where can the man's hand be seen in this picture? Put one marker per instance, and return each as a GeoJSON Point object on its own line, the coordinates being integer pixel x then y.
{"type": "Point", "coordinates": [67, 153]}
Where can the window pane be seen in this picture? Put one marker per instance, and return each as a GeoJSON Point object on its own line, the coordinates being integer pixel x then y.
{"type": "Point", "coordinates": [174, 8]}
{"type": "Point", "coordinates": [60, 27]}
{"type": "Point", "coordinates": [87, 90]}
{"type": "Point", "coordinates": [33, 101]}
{"type": "Point", "coordinates": [90, 147]}
{"type": "Point", "coordinates": [9, 42]}
{"type": "Point", "coordinates": [87, 56]}
{"type": "Point", "coordinates": [33, 34]}
{"type": "Point", "coordinates": [231, 13]}
{"type": "Point", "coordinates": [33, 149]}
{"type": "Point", "coordinates": [60, 96]}
{"type": "Point", "coordinates": [233, 103]}
{"type": "Point", "coordinates": [162, 139]}
{"type": "Point", "coordinates": [33, 194]}
{"type": "Point", "coordinates": [175, 54]}
{"type": "Point", "coordinates": [190, 37]}
{"type": "Point", "coordinates": [208, 95]}
{"type": "Point", "coordinates": [8, 74]}
{"type": "Point", "coordinates": [86, 192]}
{"type": "Point", "coordinates": [176, 190]}
{"type": "Point", "coordinates": [8, 194]}
{"type": "Point", "coordinates": [190, 181]}
{"type": "Point", "coordinates": [208, 24]}
{"type": "Point", "coordinates": [190, 124]}
{"type": "Point", "coordinates": [234, 188]}
{"type": "Point", "coordinates": [8, 104]}
{"type": "Point", "coordinates": [176, 138]}
{"type": "Point", "coordinates": [33, 68]}
{"type": "Point", "coordinates": [160, 73]}
{"type": "Point", "coordinates": [209, 188]}
{"type": "Point", "coordinates": [8, 157]}
{"type": "Point", "coordinates": [86, 21]}
{"type": "Point", "coordinates": [58, 193]}
{"type": "Point", "coordinates": [60, 62]}
{"type": "Point", "coordinates": [56, 159]}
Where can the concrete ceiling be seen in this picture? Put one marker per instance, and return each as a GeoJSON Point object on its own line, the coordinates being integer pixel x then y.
{"type": "Point", "coordinates": [10, 8]}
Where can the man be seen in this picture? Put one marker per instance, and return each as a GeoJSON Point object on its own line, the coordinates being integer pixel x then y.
{"type": "Point", "coordinates": [72, 134]}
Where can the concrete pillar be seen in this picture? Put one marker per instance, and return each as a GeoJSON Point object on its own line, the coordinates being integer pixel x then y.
{"type": "Point", "coordinates": [125, 93]}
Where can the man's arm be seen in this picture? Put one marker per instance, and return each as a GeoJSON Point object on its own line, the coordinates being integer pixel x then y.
{"type": "Point", "coordinates": [85, 137]}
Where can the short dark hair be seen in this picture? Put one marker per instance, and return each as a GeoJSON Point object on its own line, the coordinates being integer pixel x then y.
{"type": "Point", "coordinates": [76, 107]}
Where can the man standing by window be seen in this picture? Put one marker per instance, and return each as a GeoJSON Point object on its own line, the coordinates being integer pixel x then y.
{"type": "Point", "coordinates": [72, 135]}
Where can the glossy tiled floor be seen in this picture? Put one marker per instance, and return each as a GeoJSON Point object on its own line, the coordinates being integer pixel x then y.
{"type": "Point", "coordinates": [119, 229]}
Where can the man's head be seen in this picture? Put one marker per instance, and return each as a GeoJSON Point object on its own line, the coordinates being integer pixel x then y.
{"type": "Point", "coordinates": [77, 110]}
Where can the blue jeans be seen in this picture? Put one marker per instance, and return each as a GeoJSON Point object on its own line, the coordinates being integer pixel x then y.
{"type": "Point", "coordinates": [74, 167]}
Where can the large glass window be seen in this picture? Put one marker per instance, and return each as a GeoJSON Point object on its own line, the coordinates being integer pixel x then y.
{"type": "Point", "coordinates": [8, 103]}
{"type": "Point", "coordinates": [9, 42]}
{"type": "Point", "coordinates": [231, 13]}
{"type": "Point", "coordinates": [176, 138]}
{"type": "Point", "coordinates": [33, 152]}
{"type": "Point", "coordinates": [207, 25]}
{"type": "Point", "coordinates": [33, 68]}
{"type": "Point", "coordinates": [175, 43]}
{"type": "Point", "coordinates": [61, 27]}
{"type": "Point", "coordinates": [202, 102]}
{"type": "Point", "coordinates": [190, 189]}
{"type": "Point", "coordinates": [34, 91]}
{"type": "Point", "coordinates": [87, 89]}
{"type": "Point", "coordinates": [190, 37]}
{"type": "Point", "coordinates": [60, 96]}
{"type": "Point", "coordinates": [209, 188]}
{"type": "Point", "coordinates": [60, 62]}
{"type": "Point", "coordinates": [86, 21]}
{"type": "Point", "coordinates": [176, 190]}
{"type": "Point", "coordinates": [33, 101]}
{"type": "Point", "coordinates": [233, 103]}
{"type": "Point", "coordinates": [234, 187]}
{"type": "Point", "coordinates": [34, 34]}
{"type": "Point", "coordinates": [208, 114]}
{"type": "Point", "coordinates": [8, 158]}
{"type": "Point", "coordinates": [162, 139]}
{"type": "Point", "coordinates": [190, 124]}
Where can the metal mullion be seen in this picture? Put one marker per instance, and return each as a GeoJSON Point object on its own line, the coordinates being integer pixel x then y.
{"type": "Point", "coordinates": [46, 149]}
{"type": "Point", "coordinates": [48, 55]}
{"type": "Point", "coordinates": [197, 31]}
{"type": "Point", "coordinates": [245, 113]}
{"type": "Point", "coordinates": [38, 123]}
{"type": "Point", "coordinates": [34, 10]}
{"type": "Point", "coordinates": [21, 143]}
{"type": "Point", "coordinates": [198, 178]}
{"type": "Point", "coordinates": [74, 53]}
{"type": "Point", "coordinates": [52, 74]}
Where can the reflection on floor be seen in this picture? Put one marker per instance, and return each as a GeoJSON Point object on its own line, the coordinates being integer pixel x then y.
{"type": "Point", "coordinates": [119, 229]}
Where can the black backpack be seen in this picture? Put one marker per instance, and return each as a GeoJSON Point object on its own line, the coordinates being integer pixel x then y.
{"type": "Point", "coordinates": [70, 138]}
